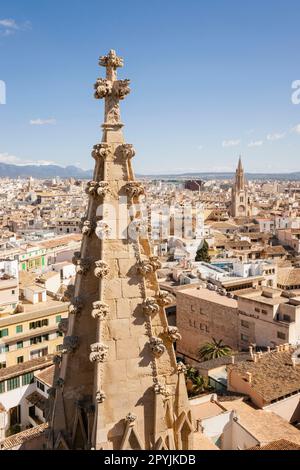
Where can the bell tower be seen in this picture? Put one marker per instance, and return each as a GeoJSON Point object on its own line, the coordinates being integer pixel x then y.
{"type": "Point", "coordinates": [240, 201]}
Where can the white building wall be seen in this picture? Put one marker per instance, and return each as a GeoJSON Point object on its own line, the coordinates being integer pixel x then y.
{"type": "Point", "coordinates": [288, 409]}
{"type": "Point", "coordinates": [239, 438]}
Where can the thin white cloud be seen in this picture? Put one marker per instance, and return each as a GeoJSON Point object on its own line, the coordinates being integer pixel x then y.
{"type": "Point", "coordinates": [200, 147]}
{"type": "Point", "coordinates": [256, 143]}
{"type": "Point", "coordinates": [230, 143]}
{"type": "Point", "coordinates": [296, 129]}
{"type": "Point", "coordinates": [9, 23]}
{"type": "Point", "coordinates": [276, 136]}
{"type": "Point", "coordinates": [9, 26]}
{"type": "Point", "coordinates": [42, 122]}
{"type": "Point", "coordinates": [14, 160]}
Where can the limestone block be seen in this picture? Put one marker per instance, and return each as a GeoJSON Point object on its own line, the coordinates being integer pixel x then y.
{"type": "Point", "coordinates": [123, 308]}
{"type": "Point", "coordinates": [137, 368]}
{"type": "Point", "coordinates": [116, 249]}
{"type": "Point", "coordinates": [127, 349]}
{"type": "Point", "coordinates": [112, 289]}
{"type": "Point", "coordinates": [111, 350]}
{"type": "Point", "coordinates": [119, 329]}
{"type": "Point", "coordinates": [113, 269]}
{"type": "Point", "coordinates": [115, 374]}
{"type": "Point", "coordinates": [126, 267]}
{"type": "Point", "coordinates": [131, 288]}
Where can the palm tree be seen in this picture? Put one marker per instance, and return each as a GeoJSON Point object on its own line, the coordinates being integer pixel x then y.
{"type": "Point", "coordinates": [214, 350]}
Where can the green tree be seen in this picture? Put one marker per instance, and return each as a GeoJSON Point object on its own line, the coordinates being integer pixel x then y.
{"type": "Point", "coordinates": [214, 350]}
{"type": "Point", "coordinates": [202, 253]}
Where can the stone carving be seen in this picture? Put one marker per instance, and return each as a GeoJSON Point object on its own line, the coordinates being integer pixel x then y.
{"type": "Point", "coordinates": [150, 306]}
{"type": "Point", "coordinates": [100, 151]}
{"type": "Point", "coordinates": [70, 343]}
{"type": "Point", "coordinates": [76, 257]}
{"type": "Point", "coordinates": [181, 368]}
{"type": "Point", "coordinates": [148, 266]}
{"type": "Point", "coordinates": [95, 188]}
{"type": "Point", "coordinates": [172, 333]}
{"type": "Point", "coordinates": [128, 151]}
{"type": "Point", "coordinates": [131, 418]}
{"type": "Point", "coordinates": [102, 269]}
{"type": "Point", "coordinates": [111, 60]}
{"type": "Point", "coordinates": [103, 88]}
{"type": "Point", "coordinates": [161, 389]}
{"type": "Point", "coordinates": [99, 352]}
{"type": "Point", "coordinates": [100, 396]}
{"type": "Point", "coordinates": [121, 88]}
{"type": "Point", "coordinates": [63, 325]}
{"type": "Point", "coordinates": [100, 310]}
{"type": "Point", "coordinates": [134, 189]}
{"type": "Point", "coordinates": [76, 307]}
{"type": "Point", "coordinates": [138, 228]}
{"type": "Point", "coordinates": [59, 382]}
{"type": "Point", "coordinates": [69, 292]}
{"type": "Point", "coordinates": [57, 359]}
{"type": "Point", "coordinates": [144, 267]}
{"type": "Point", "coordinates": [102, 229]}
{"type": "Point", "coordinates": [156, 264]}
{"type": "Point", "coordinates": [87, 228]}
{"type": "Point", "coordinates": [82, 264]}
{"type": "Point", "coordinates": [91, 188]}
{"type": "Point", "coordinates": [157, 346]}
{"type": "Point", "coordinates": [103, 188]}
{"type": "Point", "coordinates": [164, 298]}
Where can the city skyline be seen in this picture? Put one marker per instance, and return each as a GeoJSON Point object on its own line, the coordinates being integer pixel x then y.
{"type": "Point", "coordinates": [205, 88]}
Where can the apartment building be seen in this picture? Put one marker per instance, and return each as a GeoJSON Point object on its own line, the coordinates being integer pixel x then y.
{"type": "Point", "coordinates": [264, 316]}
{"type": "Point", "coordinates": [290, 237]}
{"type": "Point", "coordinates": [268, 317]}
{"type": "Point", "coordinates": [23, 395]}
{"type": "Point", "coordinates": [32, 333]}
{"type": "Point", "coordinates": [201, 315]}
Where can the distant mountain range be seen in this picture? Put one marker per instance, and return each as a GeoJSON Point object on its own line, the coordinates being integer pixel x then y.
{"type": "Point", "coordinates": [51, 171]}
{"type": "Point", "coordinates": [42, 171]}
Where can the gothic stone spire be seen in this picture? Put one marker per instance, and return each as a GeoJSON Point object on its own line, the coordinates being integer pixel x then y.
{"type": "Point", "coordinates": [117, 385]}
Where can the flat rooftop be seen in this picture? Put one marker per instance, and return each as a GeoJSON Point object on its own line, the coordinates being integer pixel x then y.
{"type": "Point", "coordinates": [210, 296]}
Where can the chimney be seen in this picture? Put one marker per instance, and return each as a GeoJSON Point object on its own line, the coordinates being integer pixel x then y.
{"type": "Point", "coordinates": [232, 359]}
{"type": "Point", "coordinates": [251, 351]}
{"type": "Point", "coordinates": [269, 349]}
{"type": "Point", "coordinates": [277, 348]}
{"type": "Point", "coordinates": [255, 358]}
{"type": "Point", "coordinates": [294, 362]}
{"type": "Point", "coordinates": [249, 377]}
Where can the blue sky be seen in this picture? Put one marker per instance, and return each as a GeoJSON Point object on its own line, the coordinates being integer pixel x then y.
{"type": "Point", "coordinates": [210, 79]}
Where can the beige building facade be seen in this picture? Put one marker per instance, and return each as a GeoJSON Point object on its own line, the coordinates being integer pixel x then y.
{"type": "Point", "coordinates": [202, 315]}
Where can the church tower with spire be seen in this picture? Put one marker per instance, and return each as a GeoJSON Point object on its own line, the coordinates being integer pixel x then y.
{"type": "Point", "coordinates": [117, 384]}
{"type": "Point", "coordinates": [240, 200]}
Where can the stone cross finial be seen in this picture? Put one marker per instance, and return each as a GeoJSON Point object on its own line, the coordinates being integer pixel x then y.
{"type": "Point", "coordinates": [111, 89]}
{"type": "Point", "coordinates": [111, 61]}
